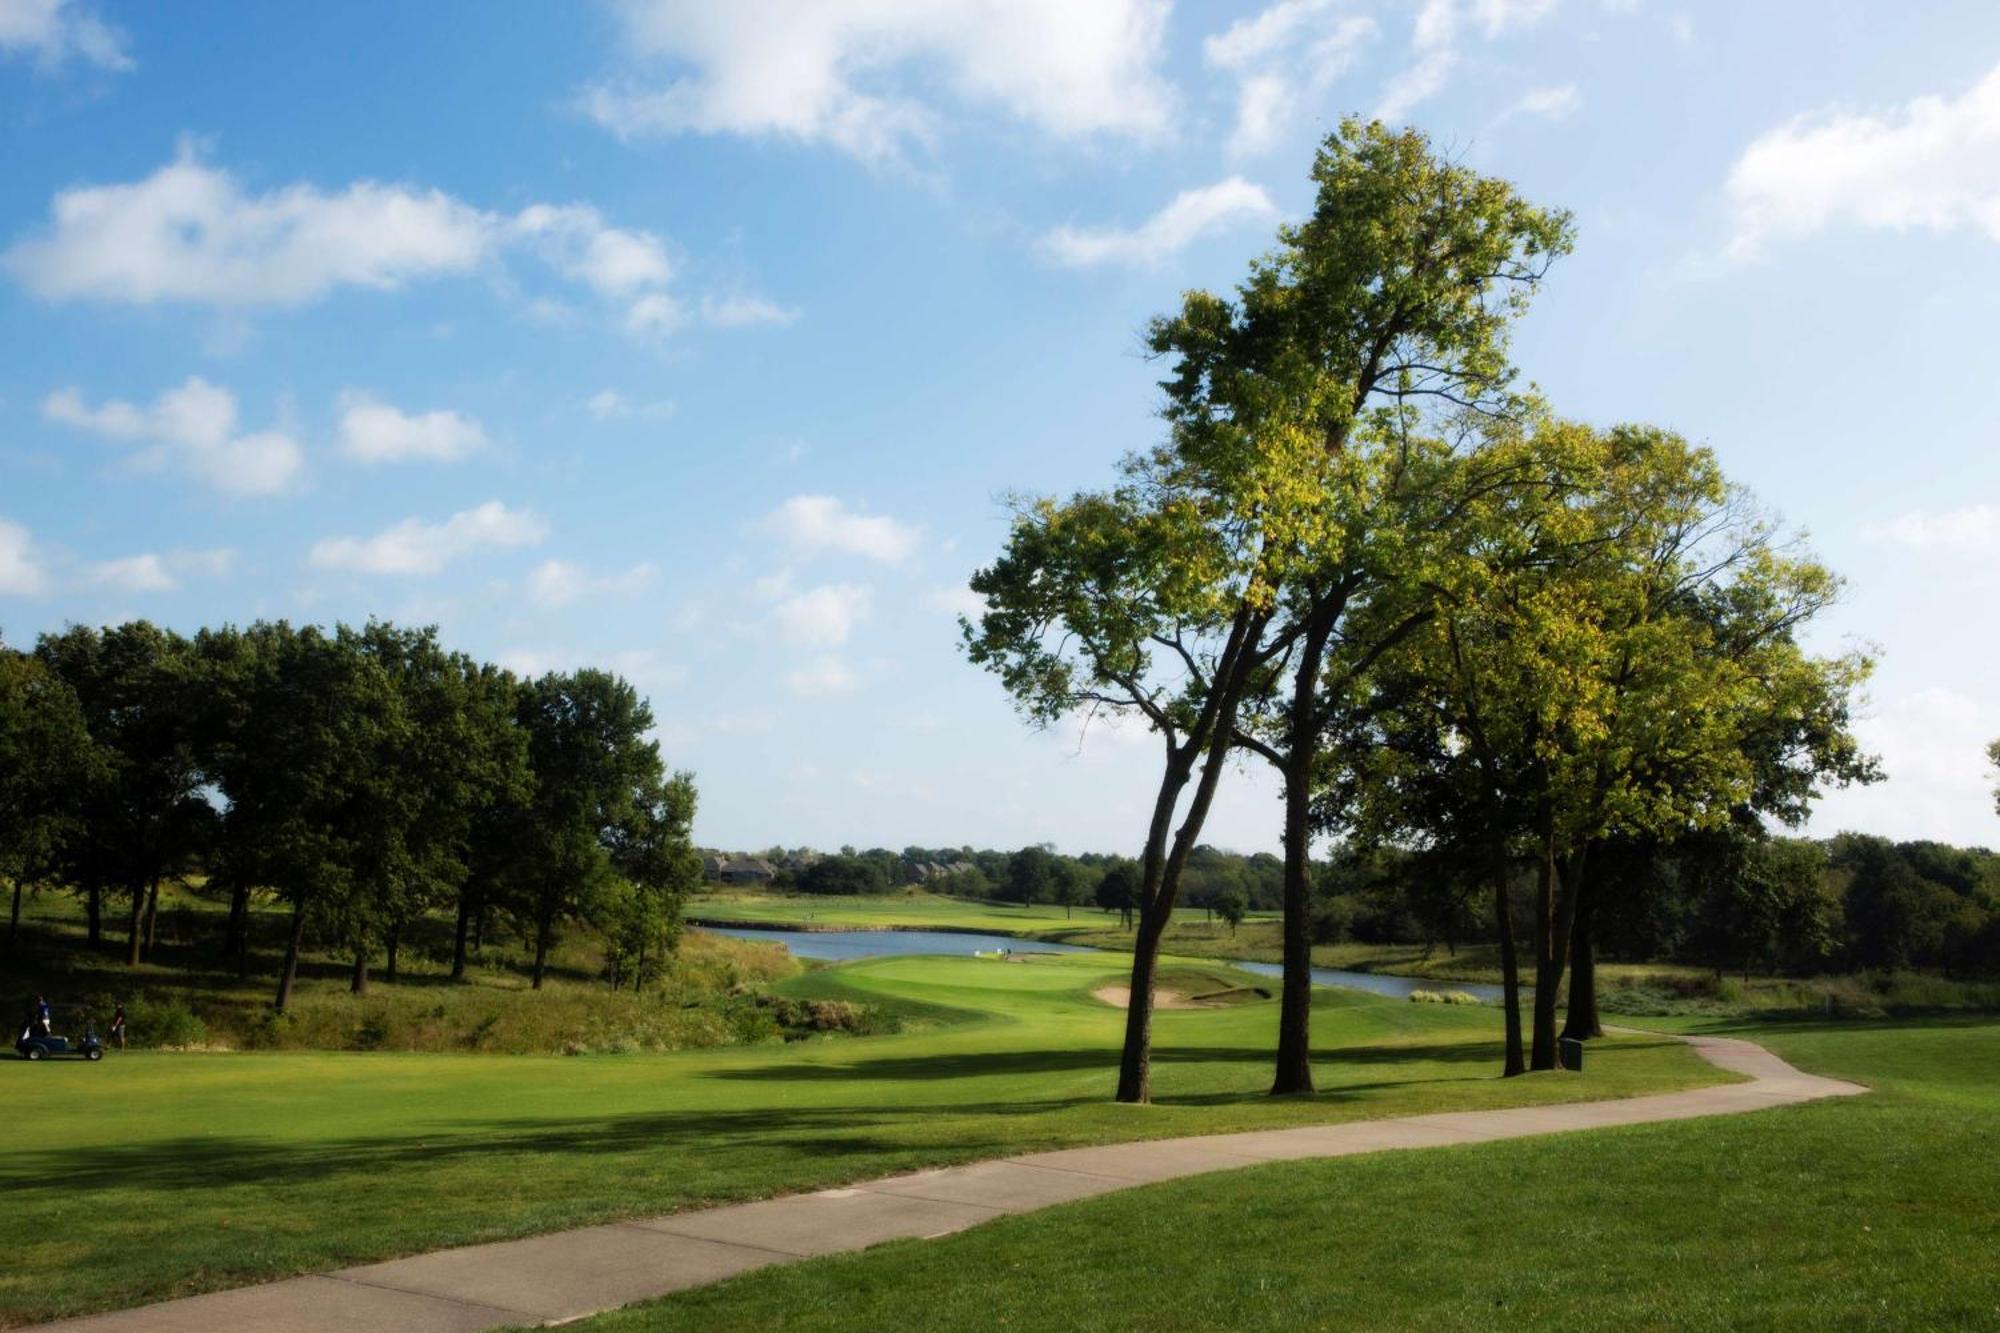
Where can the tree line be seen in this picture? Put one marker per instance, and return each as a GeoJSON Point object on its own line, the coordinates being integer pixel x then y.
{"type": "Point", "coordinates": [1450, 619]}
{"type": "Point", "coordinates": [360, 777]}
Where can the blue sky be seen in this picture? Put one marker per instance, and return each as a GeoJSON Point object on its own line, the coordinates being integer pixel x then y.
{"type": "Point", "coordinates": [703, 341]}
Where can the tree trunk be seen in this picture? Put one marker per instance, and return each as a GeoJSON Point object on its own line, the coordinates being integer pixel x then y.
{"type": "Point", "coordinates": [390, 946]}
{"type": "Point", "coordinates": [1135, 1070]}
{"type": "Point", "coordinates": [289, 973]}
{"type": "Point", "coordinates": [1510, 973]}
{"type": "Point", "coordinates": [543, 929]}
{"type": "Point", "coordinates": [1555, 904]}
{"type": "Point", "coordinates": [479, 930]}
{"type": "Point", "coordinates": [1135, 1062]}
{"type": "Point", "coordinates": [153, 916]}
{"type": "Point", "coordinates": [1581, 1019]}
{"type": "Point", "coordinates": [357, 983]}
{"type": "Point", "coordinates": [235, 938]}
{"type": "Point", "coordinates": [1294, 1063]}
{"type": "Point", "coordinates": [1159, 884]}
{"type": "Point", "coordinates": [458, 935]}
{"type": "Point", "coordinates": [93, 899]}
{"type": "Point", "coordinates": [135, 928]}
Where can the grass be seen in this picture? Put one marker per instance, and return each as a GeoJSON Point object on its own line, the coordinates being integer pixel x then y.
{"type": "Point", "coordinates": [153, 1175]}
{"type": "Point", "coordinates": [185, 997]}
{"type": "Point", "coordinates": [1627, 988]}
{"type": "Point", "coordinates": [1858, 1213]}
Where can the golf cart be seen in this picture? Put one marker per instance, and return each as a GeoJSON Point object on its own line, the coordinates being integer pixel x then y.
{"type": "Point", "coordinates": [35, 1045]}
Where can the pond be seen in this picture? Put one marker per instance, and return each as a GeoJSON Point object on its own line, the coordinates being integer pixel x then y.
{"type": "Point", "coordinates": [846, 945]}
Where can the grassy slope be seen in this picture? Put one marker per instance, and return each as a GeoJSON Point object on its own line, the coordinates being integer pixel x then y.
{"type": "Point", "coordinates": [1872, 1212]}
{"type": "Point", "coordinates": [696, 1003]}
{"type": "Point", "coordinates": [152, 1175]}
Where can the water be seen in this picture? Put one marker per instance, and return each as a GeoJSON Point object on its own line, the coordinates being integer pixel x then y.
{"type": "Point", "coordinates": [845, 945]}
{"type": "Point", "coordinates": [842, 946]}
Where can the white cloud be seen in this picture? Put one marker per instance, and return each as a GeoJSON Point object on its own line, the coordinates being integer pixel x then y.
{"type": "Point", "coordinates": [1191, 215]}
{"type": "Point", "coordinates": [194, 425]}
{"type": "Point", "coordinates": [655, 313]}
{"type": "Point", "coordinates": [188, 232]}
{"type": "Point", "coordinates": [817, 523]}
{"type": "Point", "coordinates": [1932, 743]}
{"type": "Point", "coordinates": [822, 676]}
{"type": "Point", "coordinates": [416, 547]}
{"type": "Point", "coordinates": [559, 582]}
{"type": "Point", "coordinates": [1973, 530]}
{"type": "Point", "coordinates": [191, 233]}
{"type": "Point", "coordinates": [822, 616]}
{"type": "Point", "coordinates": [1280, 56]}
{"type": "Point", "coordinates": [1435, 42]}
{"type": "Point", "coordinates": [55, 31]}
{"type": "Point", "coordinates": [610, 261]}
{"type": "Point", "coordinates": [742, 312]}
{"type": "Point", "coordinates": [611, 405]}
{"type": "Point", "coordinates": [372, 431]}
{"type": "Point", "coordinates": [840, 72]}
{"type": "Point", "coordinates": [958, 600]}
{"type": "Point", "coordinates": [21, 571]}
{"type": "Point", "coordinates": [1932, 164]}
{"type": "Point", "coordinates": [643, 667]}
{"type": "Point", "coordinates": [1548, 103]}
{"type": "Point", "coordinates": [133, 573]}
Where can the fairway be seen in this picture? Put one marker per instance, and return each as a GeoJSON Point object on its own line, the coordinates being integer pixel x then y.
{"type": "Point", "coordinates": [1865, 1212]}
{"type": "Point", "coordinates": [156, 1175]}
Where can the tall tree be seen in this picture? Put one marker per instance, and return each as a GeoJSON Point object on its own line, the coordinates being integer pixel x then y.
{"type": "Point", "coordinates": [47, 765]}
{"type": "Point", "coordinates": [1613, 657]}
{"type": "Point", "coordinates": [311, 721]}
{"type": "Point", "coordinates": [1134, 604]}
{"type": "Point", "coordinates": [138, 690]}
{"type": "Point", "coordinates": [1298, 406]}
{"type": "Point", "coordinates": [593, 767]}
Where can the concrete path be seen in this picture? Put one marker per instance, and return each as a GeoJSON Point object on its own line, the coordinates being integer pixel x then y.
{"type": "Point", "coordinates": [564, 1276]}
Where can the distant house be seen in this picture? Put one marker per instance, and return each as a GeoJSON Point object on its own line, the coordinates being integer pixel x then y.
{"type": "Point", "coordinates": [738, 869]}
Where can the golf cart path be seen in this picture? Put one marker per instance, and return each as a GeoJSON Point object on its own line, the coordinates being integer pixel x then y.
{"type": "Point", "coordinates": [569, 1274]}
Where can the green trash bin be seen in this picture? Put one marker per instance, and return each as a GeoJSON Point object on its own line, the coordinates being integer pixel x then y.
{"type": "Point", "coordinates": [1572, 1054]}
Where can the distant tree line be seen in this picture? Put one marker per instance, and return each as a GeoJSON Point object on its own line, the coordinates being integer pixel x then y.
{"type": "Point", "coordinates": [360, 777]}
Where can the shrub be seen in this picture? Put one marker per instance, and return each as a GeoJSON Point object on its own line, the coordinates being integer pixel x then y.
{"type": "Point", "coordinates": [160, 1022]}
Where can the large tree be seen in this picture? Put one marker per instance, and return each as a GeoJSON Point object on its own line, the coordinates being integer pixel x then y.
{"type": "Point", "coordinates": [593, 769]}
{"type": "Point", "coordinates": [1298, 409]}
{"type": "Point", "coordinates": [1612, 656]}
{"type": "Point", "coordinates": [311, 725]}
{"type": "Point", "coordinates": [1246, 537]}
{"type": "Point", "coordinates": [1132, 603]}
{"type": "Point", "coordinates": [146, 814]}
{"type": "Point", "coordinates": [47, 764]}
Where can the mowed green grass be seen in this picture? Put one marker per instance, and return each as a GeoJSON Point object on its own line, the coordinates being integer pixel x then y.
{"type": "Point", "coordinates": [1876, 1212]}
{"type": "Point", "coordinates": [153, 1175]}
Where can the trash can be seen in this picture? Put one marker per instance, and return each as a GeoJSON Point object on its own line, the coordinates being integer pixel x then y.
{"type": "Point", "coordinates": [1571, 1051]}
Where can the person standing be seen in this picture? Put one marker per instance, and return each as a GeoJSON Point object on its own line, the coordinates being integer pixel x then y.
{"type": "Point", "coordinates": [42, 1014]}
{"type": "Point", "coordinates": [118, 1027]}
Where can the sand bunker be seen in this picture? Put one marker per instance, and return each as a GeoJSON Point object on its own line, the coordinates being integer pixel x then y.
{"type": "Point", "coordinates": [1120, 997]}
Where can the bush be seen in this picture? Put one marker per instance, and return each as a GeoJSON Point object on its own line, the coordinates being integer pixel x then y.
{"type": "Point", "coordinates": [158, 1022]}
{"type": "Point", "coordinates": [1442, 997]}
